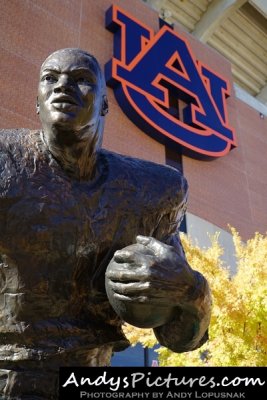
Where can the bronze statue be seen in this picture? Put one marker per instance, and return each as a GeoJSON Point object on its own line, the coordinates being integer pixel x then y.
{"type": "Point", "coordinates": [69, 212]}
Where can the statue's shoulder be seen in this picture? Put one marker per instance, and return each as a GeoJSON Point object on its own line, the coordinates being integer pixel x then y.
{"type": "Point", "coordinates": [13, 139]}
{"type": "Point", "coordinates": [9, 136]}
{"type": "Point", "coordinates": [14, 150]}
{"type": "Point", "coordinates": [148, 178]}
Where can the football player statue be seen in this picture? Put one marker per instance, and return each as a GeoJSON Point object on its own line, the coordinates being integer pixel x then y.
{"type": "Point", "coordinates": [88, 239]}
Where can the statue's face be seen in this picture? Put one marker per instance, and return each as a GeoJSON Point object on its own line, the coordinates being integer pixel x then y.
{"type": "Point", "coordinates": [69, 92]}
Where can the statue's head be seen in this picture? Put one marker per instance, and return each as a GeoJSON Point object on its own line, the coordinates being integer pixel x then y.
{"type": "Point", "coordinates": [72, 96]}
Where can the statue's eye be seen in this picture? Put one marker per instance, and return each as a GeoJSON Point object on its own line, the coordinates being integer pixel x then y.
{"type": "Point", "coordinates": [49, 78]}
{"type": "Point", "coordinates": [82, 80]}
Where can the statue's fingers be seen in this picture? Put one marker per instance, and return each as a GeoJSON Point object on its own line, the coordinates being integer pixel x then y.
{"type": "Point", "coordinates": [151, 289]}
{"type": "Point", "coordinates": [123, 256]}
{"type": "Point", "coordinates": [125, 273]}
{"type": "Point", "coordinates": [143, 298]}
{"type": "Point", "coordinates": [130, 288]}
{"type": "Point", "coordinates": [153, 244]}
{"type": "Point", "coordinates": [137, 257]}
{"type": "Point", "coordinates": [135, 292]}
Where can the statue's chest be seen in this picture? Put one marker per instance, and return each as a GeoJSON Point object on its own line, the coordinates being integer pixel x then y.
{"type": "Point", "coordinates": [53, 212]}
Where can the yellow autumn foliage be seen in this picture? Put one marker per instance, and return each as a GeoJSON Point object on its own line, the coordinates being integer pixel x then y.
{"type": "Point", "coordinates": [238, 332]}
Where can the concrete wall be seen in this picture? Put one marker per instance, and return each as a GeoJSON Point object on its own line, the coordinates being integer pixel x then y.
{"type": "Point", "coordinates": [202, 231]}
{"type": "Point", "coordinates": [231, 190]}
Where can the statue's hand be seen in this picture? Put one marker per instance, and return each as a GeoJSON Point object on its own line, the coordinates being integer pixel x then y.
{"type": "Point", "coordinates": [146, 281]}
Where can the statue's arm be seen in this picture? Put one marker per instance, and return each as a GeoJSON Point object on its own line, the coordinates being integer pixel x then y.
{"type": "Point", "coordinates": [151, 285]}
{"type": "Point", "coordinates": [188, 328]}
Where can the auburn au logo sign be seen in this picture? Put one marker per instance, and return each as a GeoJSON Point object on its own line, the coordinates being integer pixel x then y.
{"type": "Point", "coordinates": [165, 91]}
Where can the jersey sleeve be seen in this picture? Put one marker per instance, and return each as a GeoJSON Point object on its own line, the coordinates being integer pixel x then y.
{"type": "Point", "coordinates": [188, 330]}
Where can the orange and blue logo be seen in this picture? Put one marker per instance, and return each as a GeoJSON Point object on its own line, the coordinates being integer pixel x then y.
{"type": "Point", "coordinates": [165, 91]}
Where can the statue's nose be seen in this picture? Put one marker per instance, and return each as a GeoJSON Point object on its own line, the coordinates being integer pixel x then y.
{"type": "Point", "coordinates": [63, 84]}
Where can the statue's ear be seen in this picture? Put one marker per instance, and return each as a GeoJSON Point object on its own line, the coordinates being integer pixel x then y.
{"type": "Point", "coordinates": [37, 106]}
{"type": "Point", "coordinates": [104, 109]}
